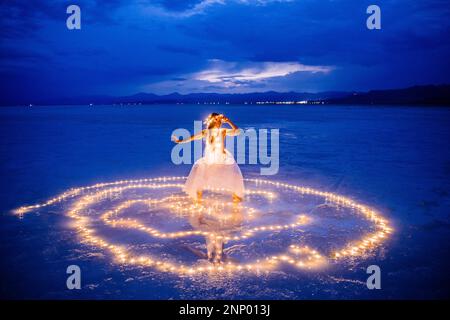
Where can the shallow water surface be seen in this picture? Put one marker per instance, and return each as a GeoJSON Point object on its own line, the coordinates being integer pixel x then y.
{"type": "Point", "coordinates": [393, 159]}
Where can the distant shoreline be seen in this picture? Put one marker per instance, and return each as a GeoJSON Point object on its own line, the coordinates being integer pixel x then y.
{"type": "Point", "coordinates": [230, 105]}
{"type": "Point", "coordinates": [429, 95]}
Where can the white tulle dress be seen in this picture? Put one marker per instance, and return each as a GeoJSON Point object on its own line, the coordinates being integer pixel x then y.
{"type": "Point", "coordinates": [217, 169]}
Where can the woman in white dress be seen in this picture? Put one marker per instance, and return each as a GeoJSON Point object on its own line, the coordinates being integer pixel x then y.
{"type": "Point", "coordinates": [217, 169]}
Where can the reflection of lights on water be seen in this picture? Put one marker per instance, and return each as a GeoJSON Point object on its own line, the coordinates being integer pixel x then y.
{"type": "Point", "coordinates": [192, 209]}
{"type": "Point", "coordinates": [298, 256]}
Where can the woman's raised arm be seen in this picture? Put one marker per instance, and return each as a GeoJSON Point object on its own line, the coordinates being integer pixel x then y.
{"type": "Point", "coordinates": [234, 131]}
{"type": "Point", "coordinates": [197, 136]}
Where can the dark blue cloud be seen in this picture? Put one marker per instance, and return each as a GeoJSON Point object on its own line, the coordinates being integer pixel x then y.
{"type": "Point", "coordinates": [163, 46]}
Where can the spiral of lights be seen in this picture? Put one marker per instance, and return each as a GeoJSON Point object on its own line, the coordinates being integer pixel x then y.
{"type": "Point", "coordinates": [299, 256]}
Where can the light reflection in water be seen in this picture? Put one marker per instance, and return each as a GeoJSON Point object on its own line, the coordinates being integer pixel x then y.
{"type": "Point", "coordinates": [217, 221]}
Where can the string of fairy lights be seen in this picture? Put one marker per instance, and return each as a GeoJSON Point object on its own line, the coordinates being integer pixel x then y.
{"type": "Point", "coordinates": [299, 256]}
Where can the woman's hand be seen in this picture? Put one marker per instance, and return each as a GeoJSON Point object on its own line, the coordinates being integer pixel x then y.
{"type": "Point", "coordinates": [225, 119]}
{"type": "Point", "coordinates": [175, 139]}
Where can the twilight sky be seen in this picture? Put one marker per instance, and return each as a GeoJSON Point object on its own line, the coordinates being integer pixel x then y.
{"type": "Point", "coordinates": [162, 46]}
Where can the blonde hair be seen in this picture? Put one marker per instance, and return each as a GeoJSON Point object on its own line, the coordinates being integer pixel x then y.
{"type": "Point", "coordinates": [211, 120]}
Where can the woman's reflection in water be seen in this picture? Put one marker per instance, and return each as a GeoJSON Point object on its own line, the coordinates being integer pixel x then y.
{"type": "Point", "coordinates": [218, 223]}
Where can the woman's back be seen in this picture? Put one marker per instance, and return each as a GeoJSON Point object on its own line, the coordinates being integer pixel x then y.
{"type": "Point", "coordinates": [215, 146]}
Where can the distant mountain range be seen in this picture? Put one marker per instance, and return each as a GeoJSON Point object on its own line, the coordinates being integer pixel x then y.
{"type": "Point", "coordinates": [417, 95]}
{"type": "Point", "coordinates": [209, 98]}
